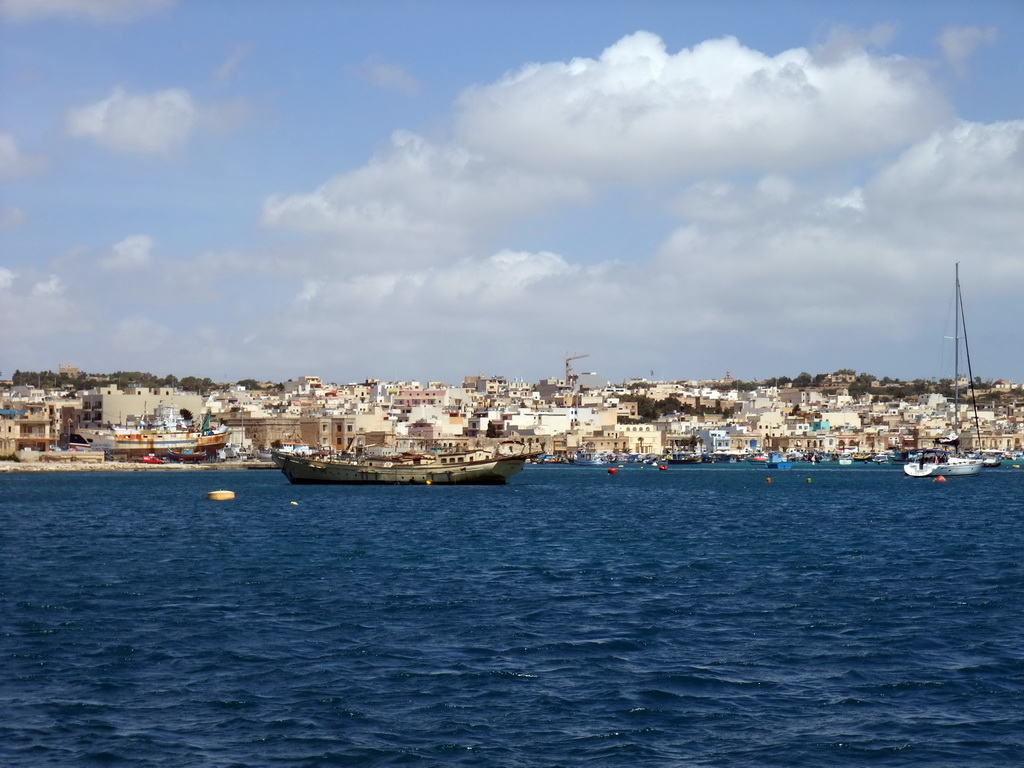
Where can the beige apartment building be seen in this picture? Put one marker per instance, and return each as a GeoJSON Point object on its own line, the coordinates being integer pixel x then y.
{"type": "Point", "coordinates": [25, 427]}
{"type": "Point", "coordinates": [108, 406]}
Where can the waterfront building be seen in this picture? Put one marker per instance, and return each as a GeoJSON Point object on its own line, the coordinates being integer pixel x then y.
{"type": "Point", "coordinates": [109, 406]}
{"type": "Point", "coordinates": [25, 427]}
{"type": "Point", "coordinates": [560, 417]}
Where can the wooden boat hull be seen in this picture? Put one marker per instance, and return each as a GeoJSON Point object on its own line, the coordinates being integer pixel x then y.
{"type": "Point", "coordinates": [188, 457]}
{"type": "Point", "coordinates": [306, 469]}
{"type": "Point", "coordinates": [136, 444]}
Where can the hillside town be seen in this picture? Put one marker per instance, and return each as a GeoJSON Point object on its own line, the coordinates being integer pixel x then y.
{"type": "Point", "coordinates": [557, 417]}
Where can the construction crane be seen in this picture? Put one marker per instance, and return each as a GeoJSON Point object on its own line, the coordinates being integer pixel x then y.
{"type": "Point", "coordinates": [568, 368]}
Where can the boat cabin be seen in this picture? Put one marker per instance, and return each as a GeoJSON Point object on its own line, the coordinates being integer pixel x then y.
{"type": "Point", "coordinates": [299, 449]}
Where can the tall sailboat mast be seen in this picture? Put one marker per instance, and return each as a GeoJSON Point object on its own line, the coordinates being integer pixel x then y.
{"type": "Point", "coordinates": [962, 326]}
{"type": "Point", "coordinates": [949, 460]}
{"type": "Point", "coordinates": [956, 354]}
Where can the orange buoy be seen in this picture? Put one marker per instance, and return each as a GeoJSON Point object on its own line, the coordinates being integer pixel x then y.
{"type": "Point", "coordinates": [767, 479]}
{"type": "Point", "coordinates": [940, 479]}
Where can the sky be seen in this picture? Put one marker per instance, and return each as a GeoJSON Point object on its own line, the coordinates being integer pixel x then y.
{"type": "Point", "coordinates": [423, 191]}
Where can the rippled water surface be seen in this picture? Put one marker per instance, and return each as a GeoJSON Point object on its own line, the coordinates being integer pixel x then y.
{"type": "Point", "coordinates": [699, 616]}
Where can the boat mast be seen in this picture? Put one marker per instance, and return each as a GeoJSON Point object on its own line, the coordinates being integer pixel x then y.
{"type": "Point", "coordinates": [967, 354]}
{"type": "Point", "coordinates": [956, 354]}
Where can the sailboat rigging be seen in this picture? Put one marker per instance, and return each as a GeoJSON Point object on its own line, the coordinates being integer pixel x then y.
{"type": "Point", "coordinates": [947, 461]}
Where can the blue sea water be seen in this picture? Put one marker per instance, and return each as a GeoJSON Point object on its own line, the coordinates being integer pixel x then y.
{"type": "Point", "coordinates": [700, 616]}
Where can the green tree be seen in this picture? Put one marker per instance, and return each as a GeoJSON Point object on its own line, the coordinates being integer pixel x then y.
{"type": "Point", "coordinates": [803, 380]}
{"type": "Point", "coordinates": [195, 384]}
{"type": "Point", "coordinates": [649, 409]}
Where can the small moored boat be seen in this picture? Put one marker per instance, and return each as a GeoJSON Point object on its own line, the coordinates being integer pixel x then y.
{"type": "Point", "coordinates": [588, 458]}
{"type": "Point", "coordinates": [933, 462]}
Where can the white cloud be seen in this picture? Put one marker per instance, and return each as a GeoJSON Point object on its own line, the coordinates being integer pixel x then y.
{"type": "Point", "coordinates": [153, 123]}
{"type": "Point", "coordinates": [52, 286]}
{"type": "Point", "coordinates": [769, 198]}
{"type": "Point", "coordinates": [390, 77]}
{"type": "Point", "coordinates": [852, 200]}
{"type": "Point", "coordinates": [13, 163]}
{"type": "Point", "coordinates": [869, 254]}
{"type": "Point", "coordinates": [792, 247]}
{"type": "Point", "coordinates": [486, 311]}
{"type": "Point", "coordinates": [131, 253]}
{"type": "Point", "coordinates": [418, 201]}
{"type": "Point", "coordinates": [639, 112]}
{"type": "Point", "coordinates": [963, 185]}
{"type": "Point", "coordinates": [92, 10]}
{"type": "Point", "coordinates": [34, 307]}
{"type": "Point", "coordinates": [959, 44]}
{"type": "Point", "coordinates": [310, 288]}
{"type": "Point", "coordinates": [466, 287]}
{"type": "Point", "coordinates": [784, 214]}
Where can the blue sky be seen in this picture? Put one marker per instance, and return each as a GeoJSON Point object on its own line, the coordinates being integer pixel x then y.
{"type": "Point", "coordinates": [419, 190]}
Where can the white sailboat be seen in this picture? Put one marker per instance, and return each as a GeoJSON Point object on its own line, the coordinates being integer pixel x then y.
{"type": "Point", "coordinates": [946, 461]}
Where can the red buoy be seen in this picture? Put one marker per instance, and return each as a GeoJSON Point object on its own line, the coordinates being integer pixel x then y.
{"type": "Point", "coordinates": [662, 466]}
{"type": "Point", "coordinates": [612, 470]}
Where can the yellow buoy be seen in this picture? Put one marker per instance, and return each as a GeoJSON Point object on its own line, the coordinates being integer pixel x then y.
{"type": "Point", "coordinates": [294, 502]}
{"type": "Point", "coordinates": [220, 495]}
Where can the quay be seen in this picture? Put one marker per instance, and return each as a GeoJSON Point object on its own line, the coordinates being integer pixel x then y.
{"type": "Point", "coordinates": [127, 466]}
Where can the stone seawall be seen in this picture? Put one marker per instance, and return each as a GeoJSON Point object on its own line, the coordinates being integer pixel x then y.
{"type": "Point", "coordinates": [62, 457]}
{"type": "Point", "coordinates": [126, 466]}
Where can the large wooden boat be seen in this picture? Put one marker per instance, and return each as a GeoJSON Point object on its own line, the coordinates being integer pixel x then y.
{"type": "Point", "coordinates": [159, 439]}
{"type": "Point", "coordinates": [481, 466]}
